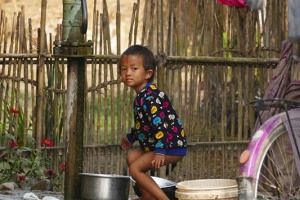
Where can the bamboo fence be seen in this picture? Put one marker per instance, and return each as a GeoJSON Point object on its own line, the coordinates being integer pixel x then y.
{"type": "Point", "coordinates": [212, 61]}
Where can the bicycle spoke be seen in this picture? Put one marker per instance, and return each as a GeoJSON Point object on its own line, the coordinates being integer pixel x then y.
{"type": "Point", "coordinates": [268, 184]}
{"type": "Point", "coordinates": [276, 178]}
{"type": "Point", "coordinates": [275, 164]}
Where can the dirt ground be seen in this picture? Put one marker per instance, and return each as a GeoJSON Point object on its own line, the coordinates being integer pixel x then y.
{"type": "Point", "coordinates": [54, 14]}
{"type": "Point", "coordinates": [18, 194]}
{"type": "Point", "coordinates": [33, 11]}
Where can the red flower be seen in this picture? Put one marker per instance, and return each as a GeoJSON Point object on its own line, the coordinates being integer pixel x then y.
{"type": "Point", "coordinates": [47, 142]}
{"type": "Point", "coordinates": [21, 178]}
{"type": "Point", "coordinates": [63, 167]}
{"type": "Point", "coordinates": [50, 173]}
{"type": "Point", "coordinates": [13, 144]}
{"type": "Point", "coordinates": [14, 111]}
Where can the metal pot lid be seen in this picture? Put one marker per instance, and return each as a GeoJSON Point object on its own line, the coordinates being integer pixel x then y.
{"type": "Point", "coordinates": [161, 182]}
{"type": "Point", "coordinates": [104, 175]}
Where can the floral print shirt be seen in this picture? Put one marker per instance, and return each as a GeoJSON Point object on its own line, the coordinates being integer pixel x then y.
{"type": "Point", "coordinates": [157, 126]}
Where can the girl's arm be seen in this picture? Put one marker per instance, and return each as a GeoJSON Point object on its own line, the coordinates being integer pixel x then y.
{"type": "Point", "coordinates": [129, 139]}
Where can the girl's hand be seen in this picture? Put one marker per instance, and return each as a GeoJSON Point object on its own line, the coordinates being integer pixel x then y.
{"type": "Point", "coordinates": [125, 143]}
{"type": "Point", "coordinates": [158, 161]}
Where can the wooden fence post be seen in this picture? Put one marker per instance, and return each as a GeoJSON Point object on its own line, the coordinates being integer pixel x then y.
{"type": "Point", "coordinates": [40, 78]}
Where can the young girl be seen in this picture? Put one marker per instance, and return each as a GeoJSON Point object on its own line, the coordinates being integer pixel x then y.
{"type": "Point", "coordinates": [157, 128]}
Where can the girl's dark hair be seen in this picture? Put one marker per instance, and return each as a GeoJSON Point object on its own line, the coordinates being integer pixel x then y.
{"type": "Point", "coordinates": [149, 61]}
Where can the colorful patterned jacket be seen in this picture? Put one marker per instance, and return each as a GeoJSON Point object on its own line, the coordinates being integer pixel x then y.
{"type": "Point", "coordinates": [157, 126]}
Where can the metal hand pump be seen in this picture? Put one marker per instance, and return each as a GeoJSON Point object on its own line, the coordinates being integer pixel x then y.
{"type": "Point", "coordinates": [75, 49]}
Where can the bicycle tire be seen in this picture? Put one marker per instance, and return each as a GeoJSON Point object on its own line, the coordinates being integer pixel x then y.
{"type": "Point", "coordinates": [266, 176]}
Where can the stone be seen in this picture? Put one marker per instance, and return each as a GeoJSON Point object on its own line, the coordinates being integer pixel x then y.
{"type": "Point", "coordinates": [28, 183]}
{"type": "Point", "coordinates": [30, 196]}
{"type": "Point", "coordinates": [8, 186]}
{"type": "Point", "coordinates": [44, 185]}
{"type": "Point", "coordinates": [17, 194]}
{"type": "Point", "coordinates": [49, 198]}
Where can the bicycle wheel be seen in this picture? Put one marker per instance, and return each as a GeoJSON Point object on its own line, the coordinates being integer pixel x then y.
{"type": "Point", "coordinates": [276, 173]}
{"type": "Point", "coordinates": [271, 171]}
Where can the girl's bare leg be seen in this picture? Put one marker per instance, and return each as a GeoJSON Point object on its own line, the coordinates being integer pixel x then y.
{"type": "Point", "coordinates": [146, 195]}
{"type": "Point", "coordinates": [132, 156]}
{"type": "Point", "coordinates": [139, 163]}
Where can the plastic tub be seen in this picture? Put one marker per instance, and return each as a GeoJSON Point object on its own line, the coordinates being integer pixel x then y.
{"type": "Point", "coordinates": [207, 189]}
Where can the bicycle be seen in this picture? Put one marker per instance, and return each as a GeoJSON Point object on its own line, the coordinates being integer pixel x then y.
{"type": "Point", "coordinates": [271, 168]}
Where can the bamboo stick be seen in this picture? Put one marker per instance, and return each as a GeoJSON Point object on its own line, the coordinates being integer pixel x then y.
{"type": "Point", "coordinates": [95, 27]}
{"type": "Point", "coordinates": [2, 27]}
{"type": "Point", "coordinates": [195, 29]}
{"type": "Point", "coordinates": [159, 23]}
{"type": "Point", "coordinates": [136, 21]}
{"type": "Point", "coordinates": [106, 26]}
{"type": "Point", "coordinates": [40, 78]}
{"type": "Point", "coordinates": [118, 27]}
{"type": "Point", "coordinates": [132, 24]}
{"type": "Point", "coordinates": [144, 35]}
{"type": "Point", "coordinates": [151, 22]}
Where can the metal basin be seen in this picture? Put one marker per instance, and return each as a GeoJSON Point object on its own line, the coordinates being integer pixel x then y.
{"type": "Point", "coordinates": [169, 187]}
{"type": "Point", "coordinates": [104, 186]}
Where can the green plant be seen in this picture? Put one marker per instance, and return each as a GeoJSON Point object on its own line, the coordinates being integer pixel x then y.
{"type": "Point", "coordinates": [56, 177]}
{"type": "Point", "coordinates": [20, 159]}
{"type": "Point", "coordinates": [18, 162]}
{"type": "Point", "coordinates": [14, 124]}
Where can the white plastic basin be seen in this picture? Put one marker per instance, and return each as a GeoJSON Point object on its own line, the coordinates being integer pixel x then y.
{"type": "Point", "coordinates": [202, 189]}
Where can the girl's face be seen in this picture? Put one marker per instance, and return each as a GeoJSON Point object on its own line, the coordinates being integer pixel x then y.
{"type": "Point", "coordinates": [133, 73]}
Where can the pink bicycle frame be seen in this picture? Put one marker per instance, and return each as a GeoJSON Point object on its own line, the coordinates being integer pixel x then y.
{"type": "Point", "coordinates": [256, 144]}
{"type": "Point", "coordinates": [247, 178]}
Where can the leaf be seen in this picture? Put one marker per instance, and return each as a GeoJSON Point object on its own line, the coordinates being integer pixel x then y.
{"type": "Point", "coordinates": [30, 139]}
{"type": "Point", "coordinates": [25, 161]}
{"type": "Point", "coordinates": [4, 154]}
{"type": "Point", "coordinates": [9, 136]}
{"type": "Point", "coordinates": [4, 166]}
{"type": "Point", "coordinates": [25, 149]}
{"type": "Point", "coordinates": [26, 170]}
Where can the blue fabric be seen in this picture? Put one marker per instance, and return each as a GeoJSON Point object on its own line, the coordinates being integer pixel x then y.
{"type": "Point", "coordinates": [172, 151]}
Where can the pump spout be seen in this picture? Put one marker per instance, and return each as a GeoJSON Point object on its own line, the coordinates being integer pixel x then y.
{"type": "Point", "coordinates": [84, 24]}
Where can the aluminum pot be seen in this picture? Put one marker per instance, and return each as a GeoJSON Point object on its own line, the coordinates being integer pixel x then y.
{"type": "Point", "coordinates": [104, 186]}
